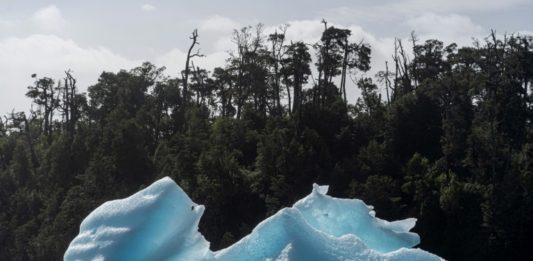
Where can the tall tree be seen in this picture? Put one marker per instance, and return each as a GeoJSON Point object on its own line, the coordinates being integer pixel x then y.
{"type": "Point", "coordinates": [295, 70]}
{"type": "Point", "coordinates": [44, 95]}
{"type": "Point", "coordinates": [187, 71]}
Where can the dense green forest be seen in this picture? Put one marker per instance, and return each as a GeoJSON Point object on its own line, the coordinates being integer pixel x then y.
{"type": "Point", "coordinates": [446, 138]}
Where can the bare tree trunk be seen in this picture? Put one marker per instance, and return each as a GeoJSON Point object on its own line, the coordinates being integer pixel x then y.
{"type": "Point", "coordinates": [289, 102]}
{"type": "Point", "coordinates": [29, 140]}
{"type": "Point", "coordinates": [387, 81]}
{"type": "Point", "coordinates": [194, 39]}
{"type": "Point", "coordinates": [70, 102]}
{"type": "Point", "coordinates": [344, 68]}
{"type": "Point", "coordinates": [415, 67]}
{"type": "Point", "coordinates": [395, 58]}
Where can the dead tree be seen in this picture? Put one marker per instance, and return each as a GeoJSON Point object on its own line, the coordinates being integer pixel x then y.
{"type": "Point", "coordinates": [69, 106]}
{"type": "Point", "coordinates": [277, 40]}
{"type": "Point", "coordinates": [186, 72]}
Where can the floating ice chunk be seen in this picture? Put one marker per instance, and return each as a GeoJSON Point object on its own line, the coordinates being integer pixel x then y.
{"type": "Point", "coordinates": [320, 227]}
{"type": "Point", "coordinates": [161, 223]}
{"type": "Point", "coordinates": [338, 217]}
{"type": "Point", "coordinates": [158, 223]}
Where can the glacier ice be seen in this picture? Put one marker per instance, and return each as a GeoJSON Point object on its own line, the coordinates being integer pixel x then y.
{"type": "Point", "coordinates": [160, 222]}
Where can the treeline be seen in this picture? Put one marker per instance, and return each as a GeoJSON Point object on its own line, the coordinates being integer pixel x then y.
{"type": "Point", "coordinates": [450, 143]}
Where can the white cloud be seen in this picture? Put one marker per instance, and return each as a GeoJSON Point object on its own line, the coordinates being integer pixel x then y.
{"type": "Point", "coordinates": [50, 56]}
{"type": "Point", "coordinates": [6, 24]}
{"type": "Point", "coordinates": [398, 10]}
{"type": "Point", "coordinates": [49, 19]}
{"type": "Point", "coordinates": [525, 32]}
{"type": "Point", "coordinates": [347, 15]}
{"type": "Point", "coordinates": [415, 6]}
{"type": "Point", "coordinates": [224, 43]}
{"type": "Point", "coordinates": [308, 31]}
{"type": "Point", "coordinates": [447, 28]}
{"type": "Point", "coordinates": [148, 8]}
{"type": "Point", "coordinates": [218, 23]}
{"type": "Point", "coordinates": [174, 60]}
{"type": "Point", "coordinates": [216, 33]}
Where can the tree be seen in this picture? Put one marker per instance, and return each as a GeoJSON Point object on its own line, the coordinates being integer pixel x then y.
{"type": "Point", "coordinates": [186, 72]}
{"type": "Point", "coordinates": [336, 56]}
{"type": "Point", "coordinates": [295, 70]}
{"type": "Point", "coordinates": [277, 40]}
{"type": "Point", "coordinates": [45, 97]}
{"type": "Point", "coordinates": [331, 56]}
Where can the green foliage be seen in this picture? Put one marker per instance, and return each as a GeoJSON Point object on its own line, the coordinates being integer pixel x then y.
{"type": "Point", "coordinates": [451, 145]}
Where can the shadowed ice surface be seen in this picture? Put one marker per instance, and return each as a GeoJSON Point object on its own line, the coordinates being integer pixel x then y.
{"type": "Point", "coordinates": [160, 222]}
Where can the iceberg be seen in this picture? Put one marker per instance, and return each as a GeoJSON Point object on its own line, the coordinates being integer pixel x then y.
{"type": "Point", "coordinates": [160, 222]}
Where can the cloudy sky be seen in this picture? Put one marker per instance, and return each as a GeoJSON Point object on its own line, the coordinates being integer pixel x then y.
{"type": "Point", "coordinates": [88, 37]}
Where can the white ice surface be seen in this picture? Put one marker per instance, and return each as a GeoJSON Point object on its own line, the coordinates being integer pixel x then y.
{"type": "Point", "coordinates": [160, 222]}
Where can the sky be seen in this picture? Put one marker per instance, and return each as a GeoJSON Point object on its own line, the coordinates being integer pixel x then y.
{"type": "Point", "coordinates": [88, 37]}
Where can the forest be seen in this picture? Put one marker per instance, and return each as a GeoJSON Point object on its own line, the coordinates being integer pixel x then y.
{"type": "Point", "coordinates": [443, 133]}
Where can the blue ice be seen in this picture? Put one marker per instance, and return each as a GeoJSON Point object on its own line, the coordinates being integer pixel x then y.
{"type": "Point", "coordinates": [160, 222]}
